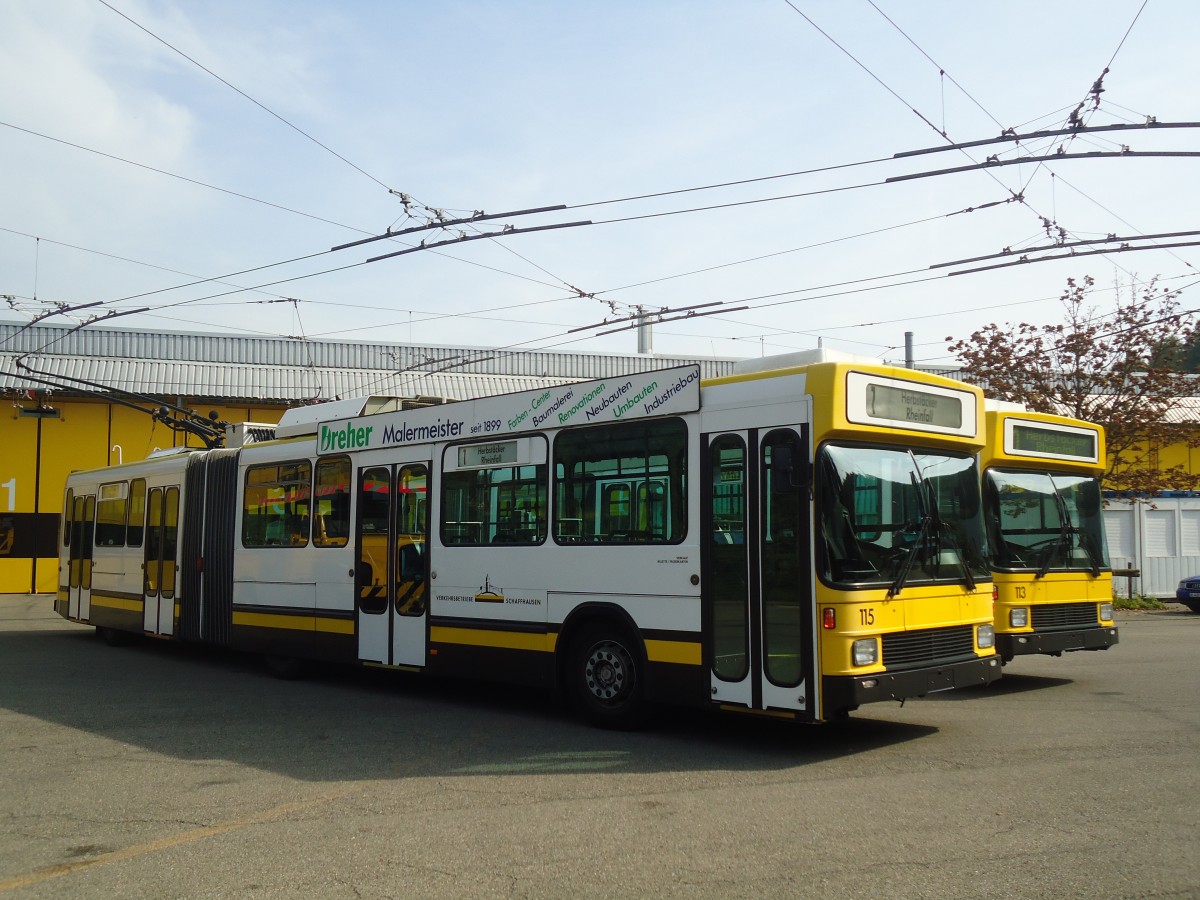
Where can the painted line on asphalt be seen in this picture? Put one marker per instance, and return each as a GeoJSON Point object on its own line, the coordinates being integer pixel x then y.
{"type": "Point", "coordinates": [48, 873]}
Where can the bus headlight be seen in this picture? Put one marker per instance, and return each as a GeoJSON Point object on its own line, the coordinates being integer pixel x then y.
{"type": "Point", "coordinates": [1106, 613]}
{"type": "Point", "coordinates": [865, 652]}
{"type": "Point", "coordinates": [1019, 617]}
{"type": "Point", "coordinates": [985, 638]}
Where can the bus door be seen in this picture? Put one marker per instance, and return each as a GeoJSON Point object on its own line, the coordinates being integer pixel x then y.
{"type": "Point", "coordinates": [79, 557]}
{"type": "Point", "coordinates": [159, 565]}
{"type": "Point", "coordinates": [757, 593]}
{"type": "Point", "coordinates": [391, 582]}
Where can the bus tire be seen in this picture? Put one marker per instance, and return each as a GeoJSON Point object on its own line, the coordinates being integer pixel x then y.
{"type": "Point", "coordinates": [606, 678]}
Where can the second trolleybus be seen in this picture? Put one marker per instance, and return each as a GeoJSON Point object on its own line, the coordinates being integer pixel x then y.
{"type": "Point", "coordinates": [795, 540]}
{"type": "Point", "coordinates": [1041, 495]}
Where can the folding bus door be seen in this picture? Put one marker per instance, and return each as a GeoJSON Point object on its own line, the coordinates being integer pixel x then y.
{"type": "Point", "coordinates": [393, 564]}
{"type": "Point", "coordinates": [79, 558]}
{"type": "Point", "coordinates": [757, 594]}
{"type": "Point", "coordinates": [160, 563]}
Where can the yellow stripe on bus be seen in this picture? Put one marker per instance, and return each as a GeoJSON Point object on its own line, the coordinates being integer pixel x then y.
{"type": "Point", "coordinates": [294, 623]}
{"type": "Point", "coordinates": [334, 626]}
{"type": "Point", "coordinates": [478, 637]}
{"type": "Point", "coordinates": [117, 603]}
{"type": "Point", "coordinates": [684, 652]}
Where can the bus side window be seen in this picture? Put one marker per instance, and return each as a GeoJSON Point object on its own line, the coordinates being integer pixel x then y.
{"type": "Point", "coordinates": [275, 510]}
{"type": "Point", "coordinates": [137, 513]}
{"type": "Point", "coordinates": [331, 519]}
{"type": "Point", "coordinates": [112, 511]}
{"type": "Point", "coordinates": [621, 484]}
{"type": "Point", "coordinates": [68, 517]}
{"type": "Point", "coordinates": [494, 505]}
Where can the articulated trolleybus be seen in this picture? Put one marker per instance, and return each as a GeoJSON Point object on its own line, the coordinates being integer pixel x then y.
{"type": "Point", "coordinates": [795, 540]}
{"type": "Point", "coordinates": [1050, 566]}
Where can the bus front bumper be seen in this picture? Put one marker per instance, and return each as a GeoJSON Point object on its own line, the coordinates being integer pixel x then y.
{"type": "Point", "coordinates": [845, 692]}
{"type": "Point", "coordinates": [1056, 642]}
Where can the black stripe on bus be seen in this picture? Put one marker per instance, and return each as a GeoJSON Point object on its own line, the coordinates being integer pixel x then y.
{"type": "Point", "coordinates": [319, 612]}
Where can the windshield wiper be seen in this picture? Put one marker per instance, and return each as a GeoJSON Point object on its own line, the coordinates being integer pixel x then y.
{"type": "Point", "coordinates": [968, 576]}
{"type": "Point", "coordinates": [1053, 549]}
{"type": "Point", "coordinates": [1075, 537]}
{"type": "Point", "coordinates": [930, 517]}
{"type": "Point", "coordinates": [1063, 541]}
{"type": "Point", "coordinates": [941, 527]}
{"type": "Point", "coordinates": [906, 565]}
{"type": "Point", "coordinates": [1087, 549]}
{"type": "Point", "coordinates": [918, 482]}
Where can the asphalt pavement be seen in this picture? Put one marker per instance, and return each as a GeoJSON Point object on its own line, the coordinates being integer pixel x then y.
{"type": "Point", "coordinates": [158, 770]}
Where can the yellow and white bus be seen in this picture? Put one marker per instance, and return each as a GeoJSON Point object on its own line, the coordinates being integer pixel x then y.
{"type": "Point", "coordinates": [795, 540]}
{"type": "Point", "coordinates": [1049, 557]}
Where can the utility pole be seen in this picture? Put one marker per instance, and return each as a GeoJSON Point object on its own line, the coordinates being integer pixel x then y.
{"type": "Point", "coordinates": [645, 336]}
{"type": "Point", "coordinates": [908, 350]}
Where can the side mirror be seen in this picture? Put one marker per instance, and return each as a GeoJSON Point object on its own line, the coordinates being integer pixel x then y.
{"type": "Point", "coordinates": [789, 472]}
{"type": "Point", "coordinates": [1087, 501]}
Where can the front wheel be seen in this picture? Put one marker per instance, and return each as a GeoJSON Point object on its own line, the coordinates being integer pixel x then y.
{"type": "Point", "coordinates": [606, 679]}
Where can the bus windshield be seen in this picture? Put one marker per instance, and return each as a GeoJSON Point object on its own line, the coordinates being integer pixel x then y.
{"type": "Point", "coordinates": [1038, 521]}
{"type": "Point", "coordinates": [895, 517]}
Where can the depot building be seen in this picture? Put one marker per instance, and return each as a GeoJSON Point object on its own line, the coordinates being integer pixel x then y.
{"type": "Point", "coordinates": [89, 398]}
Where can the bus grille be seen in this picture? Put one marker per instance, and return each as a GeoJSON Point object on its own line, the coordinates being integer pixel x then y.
{"type": "Point", "coordinates": [1063, 615]}
{"type": "Point", "coordinates": [931, 645]}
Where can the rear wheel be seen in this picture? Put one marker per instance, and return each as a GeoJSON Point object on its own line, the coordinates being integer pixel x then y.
{"type": "Point", "coordinates": [606, 678]}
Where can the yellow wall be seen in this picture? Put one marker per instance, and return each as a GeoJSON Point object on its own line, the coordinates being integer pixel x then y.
{"type": "Point", "coordinates": [87, 434]}
{"type": "Point", "coordinates": [1154, 456]}
{"type": "Point", "coordinates": [18, 455]}
{"type": "Point", "coordinates": [1179, 454]}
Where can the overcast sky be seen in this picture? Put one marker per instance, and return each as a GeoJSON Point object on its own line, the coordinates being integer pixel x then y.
{"type": "Point", "coordinates": [149, 144]}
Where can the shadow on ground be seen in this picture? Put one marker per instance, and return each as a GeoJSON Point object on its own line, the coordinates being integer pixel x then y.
{"type": "Point", "coordinates": [203, 703]}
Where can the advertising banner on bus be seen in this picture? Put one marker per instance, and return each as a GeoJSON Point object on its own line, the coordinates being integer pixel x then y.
{"type": "Point", "coordinates": [663, 392]}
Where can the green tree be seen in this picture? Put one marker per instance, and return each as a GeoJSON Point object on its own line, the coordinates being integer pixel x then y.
{"type": "Point", "coordinates": [1120, 370]}
{"type": "Point", "coordinates": [1180, 353]}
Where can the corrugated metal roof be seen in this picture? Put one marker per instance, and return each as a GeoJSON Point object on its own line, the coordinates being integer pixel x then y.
{"type": "Point", "coordinates": [266, 383]}
{"type": "Point", "coordinates": [277, 370]}
{"type": "Point", "coordinates": [1185, 411]}
{"type": "Point", "coordinates": [219, 367]}
{"type": "Point", "coordinates": [210, 348]}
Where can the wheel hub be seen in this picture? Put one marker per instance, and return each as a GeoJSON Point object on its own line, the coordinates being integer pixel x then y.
{"type": "Point", "coordinates": [606, 671]}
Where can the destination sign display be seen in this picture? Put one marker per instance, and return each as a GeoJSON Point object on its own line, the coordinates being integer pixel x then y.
{"type": "Point", "coordinates": [905, 404]}
{"type": "Point", "coordinates": [476, 456]}
{"type": "Point", "coordinates": [897, 403]}
{"type": "Point", "coordinates": [1057, 442]}
{"type": "Point", "coordinates": [660, 393]}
